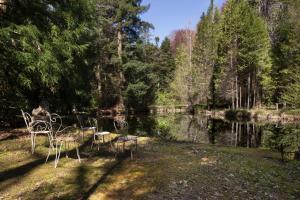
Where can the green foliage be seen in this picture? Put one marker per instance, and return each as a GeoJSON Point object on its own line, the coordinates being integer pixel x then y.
{"type": "Point", "coordinates": [166, 65]}
{"type": "Point", "coordinates": [39, 54]}
{"type": "Point", "coordinates": [285, 139]}
{"type": "Point", "coordinates": [164, 129]}
{"type": "Point", "coordinates": [64, 52]}
{"type": "Point", "coordinates": [286, 55]}
{"type": "Point", "coordinates": [165, 98]}
{"type": "Point", "coordinates": [205, 53]}
{"type": "Point", "coordinates": [183, 78]}
{"type": "Point", "coordinates": [92, 53]}
{"type": "Point", "coordinates": [141, 88]}
{"type": "Point", "coordinates": [244, 47]}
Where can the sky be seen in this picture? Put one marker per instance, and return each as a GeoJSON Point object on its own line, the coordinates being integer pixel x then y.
{"type": "Point", "coordinates": [170, 15]}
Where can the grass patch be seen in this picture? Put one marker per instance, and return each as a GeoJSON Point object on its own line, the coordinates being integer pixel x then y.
{"type": "Point", "coordinates": [295, 112]}
{"type": "Point", "coordinates": [159, 170]}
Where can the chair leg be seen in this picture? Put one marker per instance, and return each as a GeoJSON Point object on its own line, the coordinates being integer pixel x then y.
{"type": "Point", "coordinates": [94, 140]}
{"type": "Point", "coordinates": [33, 146]}
{"type": "Point", "coordinates": [116, 149]}
{"type": "Point", "coordinates": [31, 138]}
{"type": "Point", "coordinates": [77, 151]}
{"type": "Point", "coordinates": [111, 146]}
{"type": "Point", "coordinates": [66, 149]}
{"type": "Point", "coordinates": [57, 156]}
{"type": "Point", "coordinates": [92, 144]}
{"type": "Point", "coordinates": [49, 150]}
{"type": "Point", "coordinates": [136, 145]}
{"type": "Point", "coordinates": [50, 140]}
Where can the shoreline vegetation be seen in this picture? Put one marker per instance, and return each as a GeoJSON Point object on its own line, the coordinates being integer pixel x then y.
{"type": "Point", "coordinates": [260, 114]}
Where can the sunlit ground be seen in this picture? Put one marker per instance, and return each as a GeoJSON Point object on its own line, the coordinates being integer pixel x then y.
{"type": "Point", "coordinates": [159, 170]}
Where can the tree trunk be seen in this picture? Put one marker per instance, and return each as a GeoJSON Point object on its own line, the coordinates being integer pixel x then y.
{"type": "Point", "coordinates": [98, 79]}
{"type": "Point", "coordinates": [3, 5]}
{"type": "Point", "coordinates": [254, 90]}
{"type": "Point", "coordinates": [232, 85]}
{"type": "Point", "coordinates": [248, 135]}
{"type": "Point", "coordinates": [237, 91]}
{"type": "Point", "coordinates": [248, 93]}
{"type": "Point", "coordinates": [232, 132]}
{"type": "Point", "coordinates": [236, 133]}
{"type": "Point", "coordinates": [232, 96]}
{"type": "Point", "coordinates": [120, 45]}
{"type": "Point", "coordinates": [120, 105]}
{"type": "Point", "coordinates": [240, 96]}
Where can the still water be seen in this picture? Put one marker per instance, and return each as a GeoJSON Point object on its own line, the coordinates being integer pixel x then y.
{"type": "Point", "coordinates": [283, 137]}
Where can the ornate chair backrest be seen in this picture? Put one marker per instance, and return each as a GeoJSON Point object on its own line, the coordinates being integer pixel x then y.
{"type": "Point", "coordinates": [79, 118]}
{"type": "Point", "coordinates": [28, 120]}
{"type": "Point", "coordinates": [35, 125]}
{"type": "Point", "coordinates": [121, 126]}
{"type": "Point", "coordinates": [93, 123]}
{"type": "Point", "coordinates": [85, 121]}
{"type": "Point", "coordinates": [55, 123]}
{"type": "Point", "coordinates": [58, 129]}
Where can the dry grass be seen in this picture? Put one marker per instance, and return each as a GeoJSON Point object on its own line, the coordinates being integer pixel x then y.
{"type": "Point", "coordinates": [159, 170]}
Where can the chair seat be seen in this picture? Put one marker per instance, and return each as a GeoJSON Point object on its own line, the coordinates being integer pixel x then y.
{"type": "Point", "coordinates": [40, 132]}
{"type": "Point", "coordinates": [65, 139]}
{"type": "Point", "coordinates": [127, 138]}
{"type": "Point", "coordinates": [88, 128]}
{"type": "Point", "coordinates": [102, 133]}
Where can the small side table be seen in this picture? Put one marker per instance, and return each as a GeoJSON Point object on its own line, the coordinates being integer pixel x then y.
{"type": "Point", "coordinates": [128, 138]}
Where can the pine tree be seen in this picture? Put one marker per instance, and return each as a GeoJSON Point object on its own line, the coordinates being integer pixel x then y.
{"type": "Point", "coordinates": [286, 54]}
{"type": "Point", "coordinates": [243, 56]}
{"type": "Point", "coordinates": [205, 52]}
{"type": "Point", "coordinates": [39, 48]}
{"type": "Point", "coordinates": [166, 65]}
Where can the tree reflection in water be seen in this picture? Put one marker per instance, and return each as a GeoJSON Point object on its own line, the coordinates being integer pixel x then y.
{"type": "Point", "coordinates": [203, 129]}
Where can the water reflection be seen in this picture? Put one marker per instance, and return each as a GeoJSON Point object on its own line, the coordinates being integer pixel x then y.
{"type": "Point", "coordinates": [202, 129]}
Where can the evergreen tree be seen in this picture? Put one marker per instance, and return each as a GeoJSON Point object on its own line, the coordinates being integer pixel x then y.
{"type": "Point", "coordinates": [205, 52]}
{"type": "Point", "coordinates": [39, 49]}
{"type": "Point", "coordinates": [286, 54]}
{"type": "Point", "coordinates": [165, 65]}
{"type": "Point", "coordinates": [243, 56]}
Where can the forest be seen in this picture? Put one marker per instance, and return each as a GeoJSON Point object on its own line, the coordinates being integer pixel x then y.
{"type": "Point", "coordinates": [99, 54]}
{"type": "Point", "coordinates": [93, 105]}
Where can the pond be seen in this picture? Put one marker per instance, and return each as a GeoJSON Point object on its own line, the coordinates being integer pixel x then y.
{"type": "Point", "coordinates": [283, 137]}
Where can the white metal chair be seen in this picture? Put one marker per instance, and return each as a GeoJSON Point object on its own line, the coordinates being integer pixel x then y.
{"type": "Point", "coordinates": [35, 127]}
{"type": "Point", "coordinates": [121, 127]}
{"type": "Point", "coordinates": [62, 137]}
{"type": "Point", "coordinates": [83, 127]}
{"type": "Point", "coordinates": [98, 135]}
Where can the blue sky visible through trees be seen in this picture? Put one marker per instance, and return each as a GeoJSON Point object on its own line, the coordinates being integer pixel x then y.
{"type": "Point", "coordinates": [170, 15]}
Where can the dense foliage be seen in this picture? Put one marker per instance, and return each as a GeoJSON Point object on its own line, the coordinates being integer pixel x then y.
{"type": "Point", "coordinates": [79, 54]}
{"type": "Point", "coordinates": [244, 56]}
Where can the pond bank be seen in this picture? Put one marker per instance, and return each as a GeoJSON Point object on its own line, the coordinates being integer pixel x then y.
{"type": "Point", "coordinates": [255, 114]}
{"type": "Point", "coordinates": [240, 114]}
